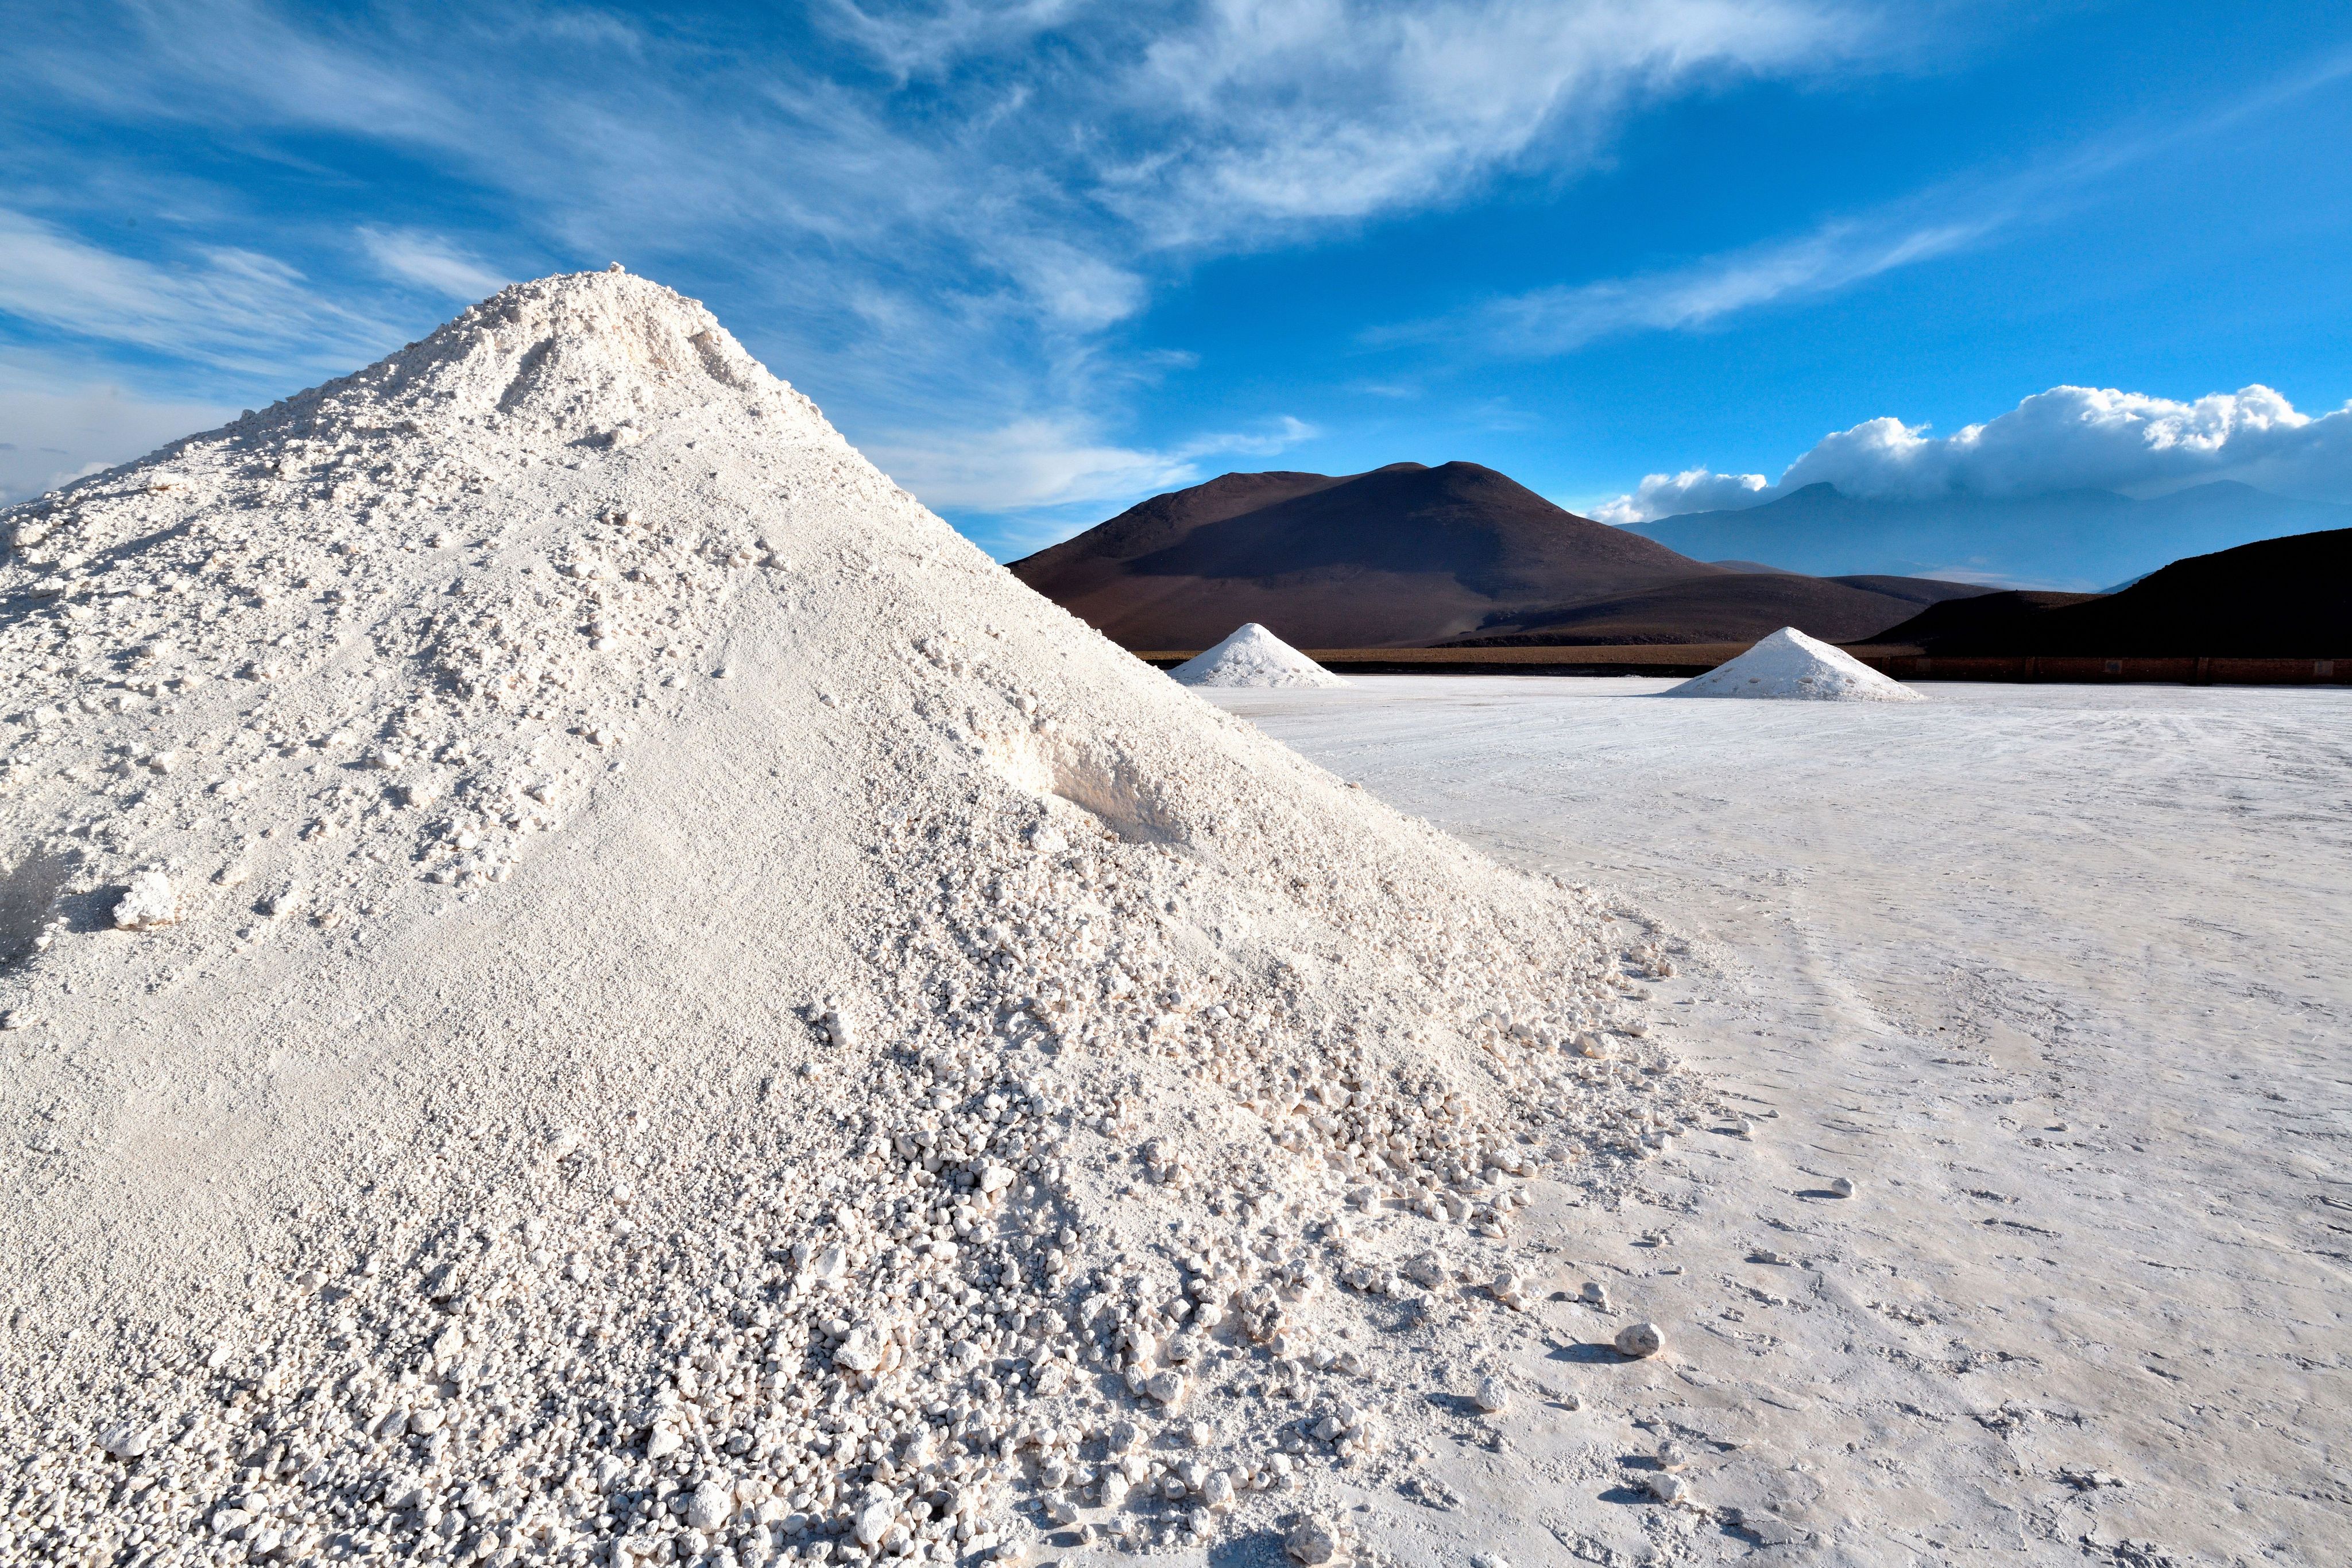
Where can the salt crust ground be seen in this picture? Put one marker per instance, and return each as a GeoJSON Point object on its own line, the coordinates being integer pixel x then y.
{"type": "Point", "coordinates": [2059, 977]}
{"type": "Point", "coordinates": [584, 981]}
{"type": "Point", "coordinates": [1253, 656]}
{"type": "Point", "coordinates": [1790, 666]}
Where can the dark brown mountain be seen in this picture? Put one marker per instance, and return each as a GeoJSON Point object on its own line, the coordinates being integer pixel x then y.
{"type": "Point", "coordinates": [1738, 608]}
{"type": "Point", "coordinates": [1400, 557]}
{"type": "Point", "coordinates": [2289, 598]}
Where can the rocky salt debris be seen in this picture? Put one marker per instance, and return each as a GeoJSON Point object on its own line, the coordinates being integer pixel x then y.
{"type": "Point", "coordinates": [1638, 1340]}
{"type": "Point", "coordinates": [149, 902]}
{"type": "Point", "coordinates": [1312, 1542]}
{"type": "Point", "coordinates": [1253, 656]}
{"type": "Point", "coordinates": [933, 1094]}
{"type": "Point", "coordinates": [1791, 667]}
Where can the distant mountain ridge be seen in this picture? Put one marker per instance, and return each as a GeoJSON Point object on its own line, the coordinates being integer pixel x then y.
{"type": "Point", "coordinates": [1410, 554]}
{"type": "Point", "coordinates": [2078, 540]}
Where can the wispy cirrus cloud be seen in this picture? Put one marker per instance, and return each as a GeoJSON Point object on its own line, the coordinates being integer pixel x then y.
{"type": "Point", "coordinates": [929, 212]}
{"type": "Point", "coordinates": [1541, 323]}
{"type": "Point", "coordinates": [431, 262]}
{"type": "Point", "coordinates": [1232, 123]}
{"type": "Point", "coordinates": [1031, 482]}
{"type": "Point", "coordinates": [1043, 461]}
{"type": "Point", "coordinates": [223, 308]}
{"type": "Point", "coordinates": [1830, 257]}
{"type": "Point", "coordinates": [925, 39]}
{"type": "Point", "coordinates": [1291, 112]}
{"type": "Point", "coordinates": [1836, 256]}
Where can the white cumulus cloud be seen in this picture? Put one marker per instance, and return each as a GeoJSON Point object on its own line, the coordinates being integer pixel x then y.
{"type": "Point", "coordinates": [1691, 490]}
{"type": "Point", "coordinates": [2067, 438]}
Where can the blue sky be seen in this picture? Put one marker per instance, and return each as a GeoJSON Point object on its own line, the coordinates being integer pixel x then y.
{"type": "Point", "coordinates": [1043, 257]}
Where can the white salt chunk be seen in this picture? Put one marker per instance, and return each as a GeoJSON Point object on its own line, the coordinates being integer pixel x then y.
{"type": "Point", "coordinates": [150, 902]}
{"type": "Point", "coordinates": [1640, 1340]}
{"type": "Point", "coordinates": [1312, 1542]}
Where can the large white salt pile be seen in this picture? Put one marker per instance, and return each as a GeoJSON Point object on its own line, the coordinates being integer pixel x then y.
{"type": "Point", "coordinates": [585, 978]}
{"type": "Point", "coordinates": [1253, 656]}
{"type": "Point", "coordinates": [1790, 665]}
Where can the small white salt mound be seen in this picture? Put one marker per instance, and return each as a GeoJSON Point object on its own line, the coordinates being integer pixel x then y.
{"type": "Point", "coordinates": [1790, 665]}
{"type": "Point", "coordinates": [1254, 656]}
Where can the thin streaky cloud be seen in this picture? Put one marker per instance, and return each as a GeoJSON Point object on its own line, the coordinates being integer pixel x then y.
{"type": "Point", "coordinates": [1835, 255]}
{"type": "Point", "coordinates": [1305, 113]}
{"type": "Point", "coordinates": [226, 308]}
{"type": "Point", "coordinates": [939, 36]}
{"type": "Point", "coordinates": [431, 263]}
{"type": "Point", "coordinates": [991, 228]}
{"type": "Point", "coordinates": [1558, 320]}
{"type": "Point", "coordinates": [1043, 461]}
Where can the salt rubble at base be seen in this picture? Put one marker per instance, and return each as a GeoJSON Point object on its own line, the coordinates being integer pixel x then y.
{"type": "Point", "coordinates": [489, 1088]}
{"type": "Point", "coordinates": [1790, 666]}
{"type": "Point", "coordinates": [1253, 656]}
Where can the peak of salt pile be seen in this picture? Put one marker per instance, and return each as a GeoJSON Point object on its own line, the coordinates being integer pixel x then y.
{"type": "Point", "coordinates": [1790, 665]}
{"type": "Point", "coordinates": [493, 1086]}
{"type": "Point", "coordinates": [1253, 656]}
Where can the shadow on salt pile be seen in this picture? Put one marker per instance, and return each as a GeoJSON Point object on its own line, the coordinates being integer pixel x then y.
{"type": "Point", "coordinates": [29, 894]}
{"type": "Point", "coordinates": [1107, 788]}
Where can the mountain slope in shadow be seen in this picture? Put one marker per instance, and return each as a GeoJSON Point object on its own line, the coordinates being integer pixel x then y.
{"type": "Point", "coordinates": [2289, 598]}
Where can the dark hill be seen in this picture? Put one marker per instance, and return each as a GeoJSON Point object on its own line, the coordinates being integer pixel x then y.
{"type": "Point", "coordinates": [1401, 555]}
{"type": "Point", "coordinates": [1408, 555]}
{"type": "Point", "coordinates": [2289, 598]}
{"type": "Point", "coordinates": [1735, 608]}
{"type": "Point", "coordinates": [1988, 615]}
{"type": "Point", "coordinates": [1914, 590]}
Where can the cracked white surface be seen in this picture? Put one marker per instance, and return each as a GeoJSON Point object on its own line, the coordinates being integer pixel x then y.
{"type": "Point", "coordinates": [2062, 976]}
